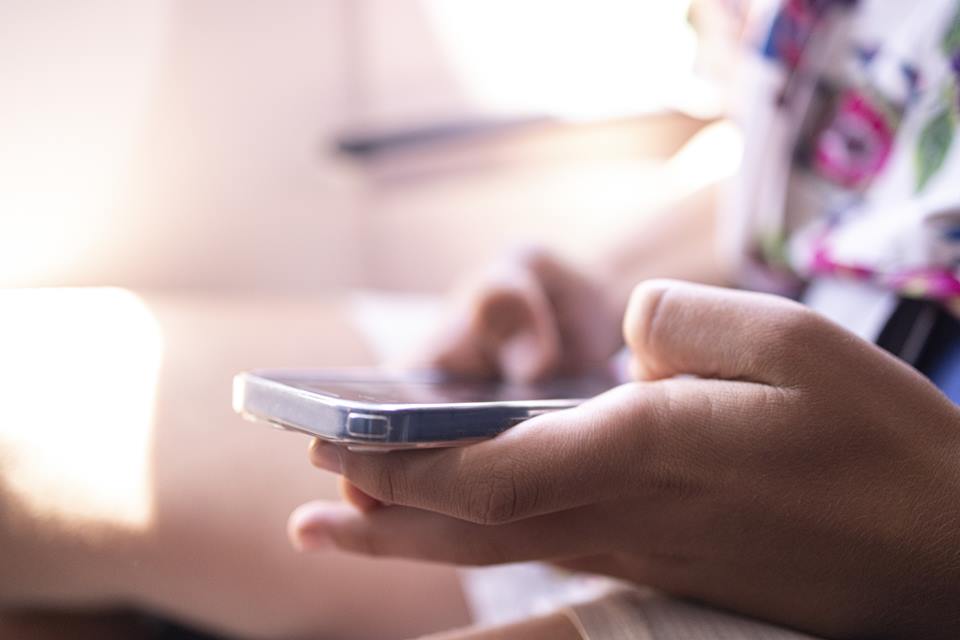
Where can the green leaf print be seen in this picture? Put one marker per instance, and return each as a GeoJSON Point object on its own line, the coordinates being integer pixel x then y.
{"type": "Point", "coordinates": [773, 247]}
{"type": "Point", "coordinates": [951, 40]}
{"type": "Point", "coordinates": [932, 148]}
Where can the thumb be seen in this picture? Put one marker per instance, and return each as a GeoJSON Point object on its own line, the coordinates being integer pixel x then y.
{"type": "Point", "coordinates": [675, 328]}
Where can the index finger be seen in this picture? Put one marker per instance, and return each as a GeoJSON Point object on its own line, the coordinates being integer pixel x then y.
{"type": "Point", "coordinates": [504, 328]}
{"type": "Point", "coordinates": [640, 437]}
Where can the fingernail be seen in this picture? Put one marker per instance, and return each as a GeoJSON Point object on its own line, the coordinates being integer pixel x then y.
{"type": "Point", "coordinates": [305, 530]}
{"type": "Point", "coordinates": [326, 456]}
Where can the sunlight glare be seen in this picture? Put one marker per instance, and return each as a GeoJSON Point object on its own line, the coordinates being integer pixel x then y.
{"type": "Point", "coordinates": [571, 58]}
{"type": "Point", "coordinates": [77, 81]}
{"type": "Point", "coordinates": [78, 371]}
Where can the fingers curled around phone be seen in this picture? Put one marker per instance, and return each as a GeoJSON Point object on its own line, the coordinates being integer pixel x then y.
{"type": "Point", "coordinates": [549, 463]}
{"type": "Point", "coordinates": [412, 533]}
{"type": "Point", "coordinates": [639, 439]}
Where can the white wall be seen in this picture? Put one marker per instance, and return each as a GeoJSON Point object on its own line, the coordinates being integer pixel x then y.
{"type": "Point", "coordinates": [182, 143]}
{"type": "Point", "coordinates": [76, 81]}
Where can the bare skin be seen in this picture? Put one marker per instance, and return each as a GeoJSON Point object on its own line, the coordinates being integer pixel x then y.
{"type": "Point", "coordinates": [803, 476]}
{"type": "Point", "coordinates": [554, 626]}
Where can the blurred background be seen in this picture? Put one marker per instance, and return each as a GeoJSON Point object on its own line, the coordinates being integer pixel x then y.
{"type": "Point", "coordinates": [192, 188]}
{"type": "Point", "coordinates": [310, 145]}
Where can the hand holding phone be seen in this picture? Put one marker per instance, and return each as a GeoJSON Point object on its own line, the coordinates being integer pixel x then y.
{"type": "Point", "coordinates": [372, 409]}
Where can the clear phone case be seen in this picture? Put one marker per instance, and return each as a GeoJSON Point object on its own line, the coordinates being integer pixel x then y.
{"type": "Point", "coordinates": [376, 410]}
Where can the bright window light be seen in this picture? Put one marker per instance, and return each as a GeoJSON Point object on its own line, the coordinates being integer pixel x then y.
{"type": "Point", "coordinates": [78, 372]}
{"type": "Point", "coordinates": [570, 58]}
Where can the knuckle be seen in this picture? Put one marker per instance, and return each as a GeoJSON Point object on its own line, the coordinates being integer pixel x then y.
{"type": "Point", "coordinates": [378, 476]}
{"type": "Point", "coordinates": [501, 505]}
{"type": "Point", "coordinates": [388, 484]}
{"type": "Point", "coordinates": [794, 332]}
{"type": "Point", "coordinates": [495, 499]}
{"type": "Point", "coordinates": [798, 323]}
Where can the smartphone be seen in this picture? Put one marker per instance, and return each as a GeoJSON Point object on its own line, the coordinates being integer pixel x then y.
{"type": "Point", "coordinates": [377, 410]}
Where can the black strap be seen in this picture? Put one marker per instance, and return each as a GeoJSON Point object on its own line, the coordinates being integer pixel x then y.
{"type": "Point", "coordinates": [909, 327]}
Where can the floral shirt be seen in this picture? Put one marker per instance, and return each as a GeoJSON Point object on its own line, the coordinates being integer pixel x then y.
{"type": "Point", "coordinates": [852, 158]}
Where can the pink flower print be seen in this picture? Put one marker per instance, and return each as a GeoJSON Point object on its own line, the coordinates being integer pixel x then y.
{"type": "Point", "coordinates": [929, 282]}
{"type": "Point", "coordinates": [955, 65]}
{"type": "Point", "coordinates": [856, 145]}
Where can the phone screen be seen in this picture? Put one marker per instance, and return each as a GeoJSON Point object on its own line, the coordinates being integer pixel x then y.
{"type": "Point", "coordinates": [437, 389]}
